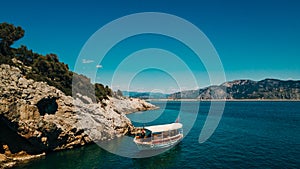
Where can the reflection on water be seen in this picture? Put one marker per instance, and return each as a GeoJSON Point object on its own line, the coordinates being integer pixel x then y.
{"type": "Point", "coordinates": [164, 160]}
{"type": "Point", "coordinates": [124, 146]}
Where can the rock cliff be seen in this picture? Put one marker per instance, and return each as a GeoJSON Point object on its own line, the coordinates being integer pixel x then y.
{"type": "Point", "coordinates": [36, 118]}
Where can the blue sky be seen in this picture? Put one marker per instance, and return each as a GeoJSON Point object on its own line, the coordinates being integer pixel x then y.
{"type": "Point", "coordinates": [254, 39]}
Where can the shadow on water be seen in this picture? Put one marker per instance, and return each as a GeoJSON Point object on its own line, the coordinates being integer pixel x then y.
{"type": "Point", "coordinates": [92, 156]}
{"type": "Point", "coordinates": [125, 147]}
{"type": "Point", "coordinates": [84, 157]}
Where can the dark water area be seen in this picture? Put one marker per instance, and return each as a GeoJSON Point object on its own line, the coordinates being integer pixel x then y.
{"type": "Point", "coordinates": [249, 135]}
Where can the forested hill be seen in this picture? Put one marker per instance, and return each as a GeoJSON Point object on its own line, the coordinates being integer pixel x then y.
{"type": "Point", "coordinates": [246, 89]}
{"type": "Point", "coordinates": [46, 68]}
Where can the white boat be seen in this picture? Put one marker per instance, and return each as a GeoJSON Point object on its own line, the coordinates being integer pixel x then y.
{"type": "Point", "coordinates": [159, 136]}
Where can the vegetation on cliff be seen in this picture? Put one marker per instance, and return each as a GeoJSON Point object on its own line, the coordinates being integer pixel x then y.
{"type": "Point", "coordinates": [36, 114]}
{"type": "Point", "coordinates": [46, 68]}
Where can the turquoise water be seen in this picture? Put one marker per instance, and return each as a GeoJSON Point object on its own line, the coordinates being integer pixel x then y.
{"type": "Point", "coordinates": [249, 135]}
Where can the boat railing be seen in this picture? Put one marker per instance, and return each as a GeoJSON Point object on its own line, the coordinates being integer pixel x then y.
{"type": "Point", "coordinates": [143, 140]}
{"type": "Point", "coordinates": [158, 140]}
{"type": "Point", "coordinates": [167, 139]}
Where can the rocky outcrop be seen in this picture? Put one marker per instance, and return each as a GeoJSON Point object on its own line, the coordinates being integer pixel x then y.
{"type": "Point", "coordinates": [36, 118]}
{"type": "Point", "coordinates": [128, 105]}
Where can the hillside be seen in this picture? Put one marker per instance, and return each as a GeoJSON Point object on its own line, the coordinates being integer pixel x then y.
{"type": "Point", "coordinates": [46, 68]}
{"type": "Point", "coordinates": [39, 114]}
{"type": "Point", "coordinates": [245, 89]}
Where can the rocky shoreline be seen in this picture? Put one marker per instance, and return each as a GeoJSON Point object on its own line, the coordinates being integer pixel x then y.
{"type": "Point", "coordinates": [36, 118]}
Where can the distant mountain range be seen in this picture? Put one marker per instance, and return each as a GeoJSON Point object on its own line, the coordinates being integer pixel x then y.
{"type": "Point", "coordinates": [245, 89]}
{"type": "Point", "coordinates": [145, 95]}
{"type": "Point", "coordinates": [238, 89]}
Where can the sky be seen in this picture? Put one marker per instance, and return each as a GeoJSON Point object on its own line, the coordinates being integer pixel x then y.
{"type": "Point", "coordinates": [253, 39]}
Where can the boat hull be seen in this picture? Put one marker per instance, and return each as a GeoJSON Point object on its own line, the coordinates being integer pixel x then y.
{"type": "Point", "coordinates": [158, 144]}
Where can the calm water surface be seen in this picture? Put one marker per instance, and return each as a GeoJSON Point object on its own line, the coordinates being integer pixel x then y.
{"type": "Point", "coordinates": [250, 135]}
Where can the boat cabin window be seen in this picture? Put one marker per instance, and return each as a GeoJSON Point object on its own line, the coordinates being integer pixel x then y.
{"type": "Point", "coordinates": [156, 135]}
{"type": "Point", "coordinates": [166, 133]}
{"type": "Point", "coordinates": [173, 132]}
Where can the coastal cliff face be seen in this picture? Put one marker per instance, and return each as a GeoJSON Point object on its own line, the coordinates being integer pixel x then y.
{"type": "Point", "coordinates": [36, 118]}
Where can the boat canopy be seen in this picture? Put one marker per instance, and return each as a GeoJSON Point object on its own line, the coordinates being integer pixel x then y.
{"type": "Point", "coordinates": [165, 127]}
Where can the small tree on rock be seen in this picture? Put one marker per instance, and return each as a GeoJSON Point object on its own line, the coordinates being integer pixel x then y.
{"type": "Point", "coordinates": [8, 35]}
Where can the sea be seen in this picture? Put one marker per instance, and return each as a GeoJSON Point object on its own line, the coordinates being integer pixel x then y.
{"type": "Point", "coordinates": [241, 134]}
